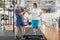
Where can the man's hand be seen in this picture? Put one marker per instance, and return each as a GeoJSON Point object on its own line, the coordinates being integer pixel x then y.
{"type": "Point", "coordinates": [25, 10]}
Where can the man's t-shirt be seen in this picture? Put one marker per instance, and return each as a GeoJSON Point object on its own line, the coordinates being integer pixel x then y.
{"type": "Point", "coordinates": [17, 12]}
{"type": "Point", "coordinates": [35, 13]}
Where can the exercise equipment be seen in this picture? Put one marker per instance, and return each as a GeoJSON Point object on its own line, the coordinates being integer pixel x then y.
{"type": "Point", "coordinates": [59, 23]}
{"type": "Point", "coordinates": [34, 37]}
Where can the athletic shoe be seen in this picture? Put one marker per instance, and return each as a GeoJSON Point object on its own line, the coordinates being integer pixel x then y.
{"type": "Point", "coordinates": [16, 37]}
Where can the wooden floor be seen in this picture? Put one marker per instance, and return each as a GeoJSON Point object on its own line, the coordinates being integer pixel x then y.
{"type": "Point", "coordinates": [51, 33]}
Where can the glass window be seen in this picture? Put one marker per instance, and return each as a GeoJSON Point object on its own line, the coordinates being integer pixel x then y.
{"type": "Point", "coordinates": [0, 3]}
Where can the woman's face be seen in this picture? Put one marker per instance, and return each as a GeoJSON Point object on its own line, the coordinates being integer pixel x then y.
{"type": "Point", "coordinates": [34, 6]}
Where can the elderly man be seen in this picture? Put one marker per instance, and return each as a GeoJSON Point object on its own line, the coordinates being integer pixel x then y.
{"type": "Point", "coordinates": [19, 12]}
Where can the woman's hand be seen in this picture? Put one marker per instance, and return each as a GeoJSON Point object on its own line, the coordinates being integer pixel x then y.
{"type": "Point", "coordinates": [25, 10]}
{"type": "Point", "coordinates": [39, 15]}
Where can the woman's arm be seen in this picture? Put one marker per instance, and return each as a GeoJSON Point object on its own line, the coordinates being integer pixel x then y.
{"type": "Point", "coordinates": [40, 14]}
{"type": "Point", "coordinates": [29, 12]}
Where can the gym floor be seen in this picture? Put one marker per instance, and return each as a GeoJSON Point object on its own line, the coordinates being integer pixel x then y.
{"type": "Point", "coordinates": [49, 32]}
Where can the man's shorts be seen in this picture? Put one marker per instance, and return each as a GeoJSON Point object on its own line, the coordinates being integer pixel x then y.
{"type": "Point", "coordinates": [19, 23]}
{"type": "Point", "coordinates": [35, 24]}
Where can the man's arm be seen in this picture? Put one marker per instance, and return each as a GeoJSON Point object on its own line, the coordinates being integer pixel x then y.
{"type": "Point", "coordinates": [23, 12]}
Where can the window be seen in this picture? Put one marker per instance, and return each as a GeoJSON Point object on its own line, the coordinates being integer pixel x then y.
{"type": "Point", "coordinates": [0, 3]}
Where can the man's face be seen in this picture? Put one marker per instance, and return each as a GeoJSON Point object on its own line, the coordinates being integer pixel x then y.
{"type": "Point", "coordinates": [18, 6]}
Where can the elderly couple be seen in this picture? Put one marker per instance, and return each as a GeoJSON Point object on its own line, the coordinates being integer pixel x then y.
{"type": "Point", "coordinates": [19, 12]}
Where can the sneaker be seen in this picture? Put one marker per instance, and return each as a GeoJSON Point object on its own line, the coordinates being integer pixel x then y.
{"type": "Point", "coordinates": [16, 37]}
{"type": "Point", "coordinates": [22, 37]}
